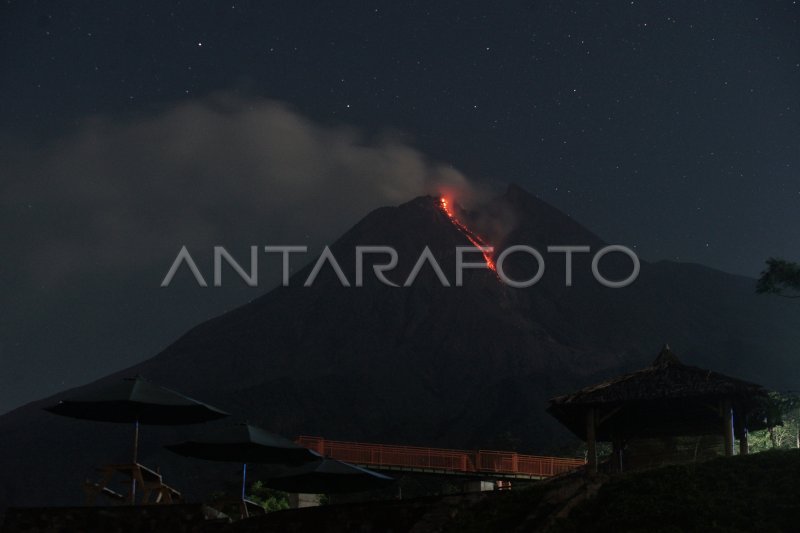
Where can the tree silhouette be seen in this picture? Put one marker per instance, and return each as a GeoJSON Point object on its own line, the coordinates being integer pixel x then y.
{"type": "Point", "coordinates": [781, 277]}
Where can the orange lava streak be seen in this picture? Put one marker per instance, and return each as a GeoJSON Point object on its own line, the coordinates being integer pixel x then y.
{"type": "Point", "coordinates": [474, 239]}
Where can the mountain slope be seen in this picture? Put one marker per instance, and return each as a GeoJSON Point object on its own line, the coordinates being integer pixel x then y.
{"type": "Point", "coordinates": [426, 364]}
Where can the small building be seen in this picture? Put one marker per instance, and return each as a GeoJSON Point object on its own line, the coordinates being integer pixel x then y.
{"type": "Point", "coordinates": [661, 404]}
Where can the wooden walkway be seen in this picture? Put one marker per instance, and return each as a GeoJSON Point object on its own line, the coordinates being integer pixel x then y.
{"type": "Point", "coordinates": [480, 463]}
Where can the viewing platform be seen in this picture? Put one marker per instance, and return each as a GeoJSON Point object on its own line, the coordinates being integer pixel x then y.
{"type": "Point", "coordinates": [486, 464]}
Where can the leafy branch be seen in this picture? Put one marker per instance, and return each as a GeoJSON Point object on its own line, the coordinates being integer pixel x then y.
{"type": "Point", "coordinates": [781, 278]}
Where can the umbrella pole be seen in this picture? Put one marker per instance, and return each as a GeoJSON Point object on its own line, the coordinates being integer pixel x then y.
{"type": "Point", "coordinates": [245, 513]}
{"type": "Point", "coordinates": [135, 460]}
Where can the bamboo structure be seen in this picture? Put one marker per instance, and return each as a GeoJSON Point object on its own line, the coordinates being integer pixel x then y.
{"type": "Point", "coordinates": [664, 401]}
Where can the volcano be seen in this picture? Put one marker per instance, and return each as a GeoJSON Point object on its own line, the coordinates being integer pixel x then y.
{"type": "Point", "coordinates": [425, 364]}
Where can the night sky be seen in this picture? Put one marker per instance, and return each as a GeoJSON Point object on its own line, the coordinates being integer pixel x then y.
{"type": "Point", "coordinates": [129, 130]}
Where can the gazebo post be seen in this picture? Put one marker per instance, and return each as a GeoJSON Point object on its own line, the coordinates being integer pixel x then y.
{"type": "Point", "coordinates": [744, 447]}
{"type": "Point", "coordinates": [135, 460]}
{"type": "Point", "coordinates": [591, 441]}
{"type": "Point", "coordinates": [616, 454]}
{"type": "Point", "coordinates": [740, 418]}
{"type": "Point", "coordinates": [727, 423]}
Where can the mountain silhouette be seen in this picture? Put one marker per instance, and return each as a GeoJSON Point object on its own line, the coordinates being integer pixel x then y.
{"type": "Point", "coordinates": [425, 364]}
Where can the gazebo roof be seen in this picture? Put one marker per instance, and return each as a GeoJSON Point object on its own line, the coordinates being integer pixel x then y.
{"type": "Point", "coordinates": [665, 398]}
{"type": "Point", "coordinates": [666, 378]}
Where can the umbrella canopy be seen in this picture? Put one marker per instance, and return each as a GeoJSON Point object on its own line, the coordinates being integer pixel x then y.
{"type": "Point", "coordinates": [137, 400]}
{"type": "Point", "coordinates": [326, 477]}
{"type": "Point", "coordinates": [243, 443]}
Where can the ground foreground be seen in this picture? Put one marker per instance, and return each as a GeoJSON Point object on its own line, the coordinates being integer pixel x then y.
{"type": "Point", "coordinates": [752, 493]}
{"type": "Point", "coordinates": [759, 492]}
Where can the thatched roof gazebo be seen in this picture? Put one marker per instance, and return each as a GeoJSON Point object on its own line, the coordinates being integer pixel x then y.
{"type": "Point", "coordinates": [666, 399]}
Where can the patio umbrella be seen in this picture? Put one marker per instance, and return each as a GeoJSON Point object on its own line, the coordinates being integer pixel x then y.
{"type": "Point", "coordinates": [243, 443]}
{"type": "Point", "coordinates": [325, 477]}
{"type": "Point", "coordinates": [137, 401]}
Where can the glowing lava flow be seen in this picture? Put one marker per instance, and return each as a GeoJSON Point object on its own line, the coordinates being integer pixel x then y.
{"type": "Point", "coordinates": [474, 239]}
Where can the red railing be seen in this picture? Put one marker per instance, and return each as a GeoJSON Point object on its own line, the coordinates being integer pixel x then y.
{"type": "Point", "coordinates": [444, 460]}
